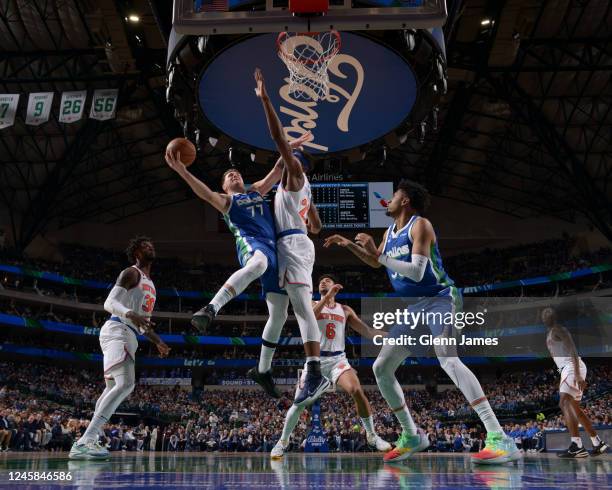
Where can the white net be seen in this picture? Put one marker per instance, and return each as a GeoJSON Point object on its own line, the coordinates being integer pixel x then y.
{"type": "Point", "coordinates": [307, 56]}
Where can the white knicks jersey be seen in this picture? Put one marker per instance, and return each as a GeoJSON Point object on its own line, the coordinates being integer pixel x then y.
{"type": "Point", "coordinates": [332, 323]}
{"type": "Point", "coordinates": [559, 351]}
{"type": "Point", "coordinates": [140, 299]}
{"type": "Point", "coordinates": [291, 208]}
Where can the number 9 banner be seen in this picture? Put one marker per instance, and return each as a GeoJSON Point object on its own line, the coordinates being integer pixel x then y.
{"type": "Point", "coordinates": [104, 104]}
{"type": "Point", "coordinates": [39, 107]}
{"type": "Point", "coordinates": [72, 105]}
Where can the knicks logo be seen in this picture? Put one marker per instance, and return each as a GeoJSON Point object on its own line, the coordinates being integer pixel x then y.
{"type": "Point", "coordinates": [304, 112]}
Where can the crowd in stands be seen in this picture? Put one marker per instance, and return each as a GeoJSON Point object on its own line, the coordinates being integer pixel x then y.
{"type": "Point", "coordinates": [46, 407]}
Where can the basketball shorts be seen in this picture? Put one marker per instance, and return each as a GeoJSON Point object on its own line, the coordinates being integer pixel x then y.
{"type": "Point", "coordinates": [331, 368]}
{"type": "Point", "coordinates": [119, 343]}
{"type": "Point", "coordinates": [296, 256]}
{"type": "Point", "coordinates": [269, 279]}
{"type": "Point", "coordinates": [568, 380]}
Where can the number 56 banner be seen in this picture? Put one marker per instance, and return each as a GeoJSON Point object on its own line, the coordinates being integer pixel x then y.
{"type": "Point", "coordinates": [39, 106]}
{"type": "Point", "coordinates": [72, 105]}
{"type": "Point", "coordinates": [104, 104]}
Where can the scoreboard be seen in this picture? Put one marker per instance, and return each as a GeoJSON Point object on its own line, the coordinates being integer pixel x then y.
{"type": "Point", "coordinates": [352, 205]}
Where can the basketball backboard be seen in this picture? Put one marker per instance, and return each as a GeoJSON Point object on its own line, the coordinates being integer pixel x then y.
{"type": "Point", "coordinates": [205, 17]}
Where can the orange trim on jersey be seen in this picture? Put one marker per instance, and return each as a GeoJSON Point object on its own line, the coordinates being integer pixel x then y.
{"type": "Point", "coordinates": [331, 316]}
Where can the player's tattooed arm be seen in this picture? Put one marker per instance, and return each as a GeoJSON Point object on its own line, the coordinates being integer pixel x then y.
{"type": "Point", "coordinates": [357, 324]}
{"type": "Point", "coordinates": [318, 306]}
{"type": "Point", "coordinates": [162, 348]}
{"type": "Point", "coordinates": [314, 224]}
{"type": "Point", "coordinates": [220, 202]}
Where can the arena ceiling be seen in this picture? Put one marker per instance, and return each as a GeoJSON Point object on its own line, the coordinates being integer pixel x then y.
{"type": "Point", "coordinates": [525, 128]}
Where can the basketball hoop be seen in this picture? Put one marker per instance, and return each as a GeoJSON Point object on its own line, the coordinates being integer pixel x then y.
{"type": "Point", "coordinates": [307, 56]}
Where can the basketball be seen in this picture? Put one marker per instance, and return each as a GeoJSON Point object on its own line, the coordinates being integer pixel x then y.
{"type": "Point", "coordinates": [186, 149]}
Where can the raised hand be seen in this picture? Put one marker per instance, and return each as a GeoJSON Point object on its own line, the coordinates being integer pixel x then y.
{"type": "Point", "coordinates": [163, 349]}
{"type": "Point", "coordinates": [174, 161]}
{"type": "Point", "coordinates": [367, 242]}
{"type": "Point", "coordinates": [260, 89]}
{"type": "Point", "coordinates": [305, 138]}
{"type": "Point", "coordinates": [336, 240]}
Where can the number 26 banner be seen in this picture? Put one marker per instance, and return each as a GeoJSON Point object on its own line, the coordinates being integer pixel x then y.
{"type": "Point", "coordinates": [72, 106]}
{"type": "Point", "coordinates": [103, 104]}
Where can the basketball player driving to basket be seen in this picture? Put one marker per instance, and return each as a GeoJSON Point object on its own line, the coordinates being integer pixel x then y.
{"type": "Point", "coordinates": [248, 217]}
{"type": "Point", "coordinates": [295, 216]}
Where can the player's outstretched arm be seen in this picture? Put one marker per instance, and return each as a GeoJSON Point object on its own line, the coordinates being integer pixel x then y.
{"type": "Point", "coordinates": [357, 324]}
{"type": "Point", "coordinates": [360, 252]}
{"type": "Point", "coordinates": [219, 201]}
{"type": "Point", "coordinates": [276, 129]}
{"type": "Point", "coordinates": [423, 236]}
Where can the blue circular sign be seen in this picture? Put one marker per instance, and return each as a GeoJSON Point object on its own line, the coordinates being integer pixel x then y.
{"type": "Point", "coordinates": [372, 90]}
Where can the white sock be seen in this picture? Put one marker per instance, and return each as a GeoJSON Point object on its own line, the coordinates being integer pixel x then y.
{"type": "Point", "coordinates": [487, 416]}
{"type": "Point", "coordinates": [368, 425]}
{"type": "Point", "coordinates": [291, 420]}
{"type": "Point", "coordinates": [406, 421]}
{"type": "Point", "coordinates": [388, 360]}
{"type": "Point", "coordinates": [313, 358]}
{"type": "Point", "coordinates": [93, 430]}
{"type": "Point", "coordinates": [577, 440]}
{"type": "Point", "coordinates": [223, 297]}
{"type": "Point", "coordinates": [240, 280]}
{"type": "Point", "coordinates": [277, 308]}
{"type": "Point", "coordinates": [595, 440]}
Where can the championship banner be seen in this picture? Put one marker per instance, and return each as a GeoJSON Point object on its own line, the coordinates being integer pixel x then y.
{"type": "Point", "coordinates": [72, 106]}
{"type": "Point", "coordinates": [8, 109]}
{"type": "Point", "coordinates": [39, 107]}
{"type": "Point", "coordinates": [104, 104]}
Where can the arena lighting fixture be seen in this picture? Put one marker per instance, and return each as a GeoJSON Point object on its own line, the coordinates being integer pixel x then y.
{"type": "Point", "coordinates": [485, 22]}
{"type": "Point", "coordinates": [133, 18]}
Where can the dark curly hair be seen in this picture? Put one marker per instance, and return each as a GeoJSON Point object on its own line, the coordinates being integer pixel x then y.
{"type": "Point", "coordinates": [418, 194]}
{"type": "Point", "coordinates": [133, 245]}
{"type": "Point", "coordinates": [329, 276]}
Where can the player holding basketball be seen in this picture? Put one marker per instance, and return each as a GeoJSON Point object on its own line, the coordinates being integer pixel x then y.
{"type": "Point", "coordinates": [130, 303]}
{"type": "Point", "coordinates": [295, 216]}
{"type": "Point", "coordinates": [248, 217]}
{"type": "Point", "coordinates": [573, 373]}
{"type": "Point", "coordinates": [409, 251]}
{"type": "Point", "coordinates": [332, 318]}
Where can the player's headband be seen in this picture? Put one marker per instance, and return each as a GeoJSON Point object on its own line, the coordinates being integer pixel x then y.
{"type": "Point", "coordinates": [303, 160]}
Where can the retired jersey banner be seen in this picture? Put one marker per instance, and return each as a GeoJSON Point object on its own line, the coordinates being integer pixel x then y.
{"type": "Point", "coordinates": [72, 105]}
{"type": "Point", "coordinates": [8, 109]}
{"type": "Point", "coordinates": [39, 107]}
{"type": "Point", "coordinates": [104, 104]}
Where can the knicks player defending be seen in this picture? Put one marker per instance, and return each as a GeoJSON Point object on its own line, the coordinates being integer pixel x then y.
{"type": "Point", "coordinates": [409, 251]}
{"type": "Point", "coordinates": [332, 318]}
{"type": "Point", "coordinates": [248, 217]}
{"type": "Point", "coordinates": [295, 215]}
{"type": "Point", "coordinates": [573, 373]}
{"type": "Point", "coordinates": [130, 304]}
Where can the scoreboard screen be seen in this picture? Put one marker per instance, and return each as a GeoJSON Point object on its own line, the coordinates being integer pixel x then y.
{"type": "Point", "coordinates": [352, 205]}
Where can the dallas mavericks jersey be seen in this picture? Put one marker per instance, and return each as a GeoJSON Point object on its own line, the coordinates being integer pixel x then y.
{"type": "Point", "coordinates": [332, 323]}
{"type": "Point", "coordinates": [399, 246]}
{"type": "Point", "coordinates": [249, 219]}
